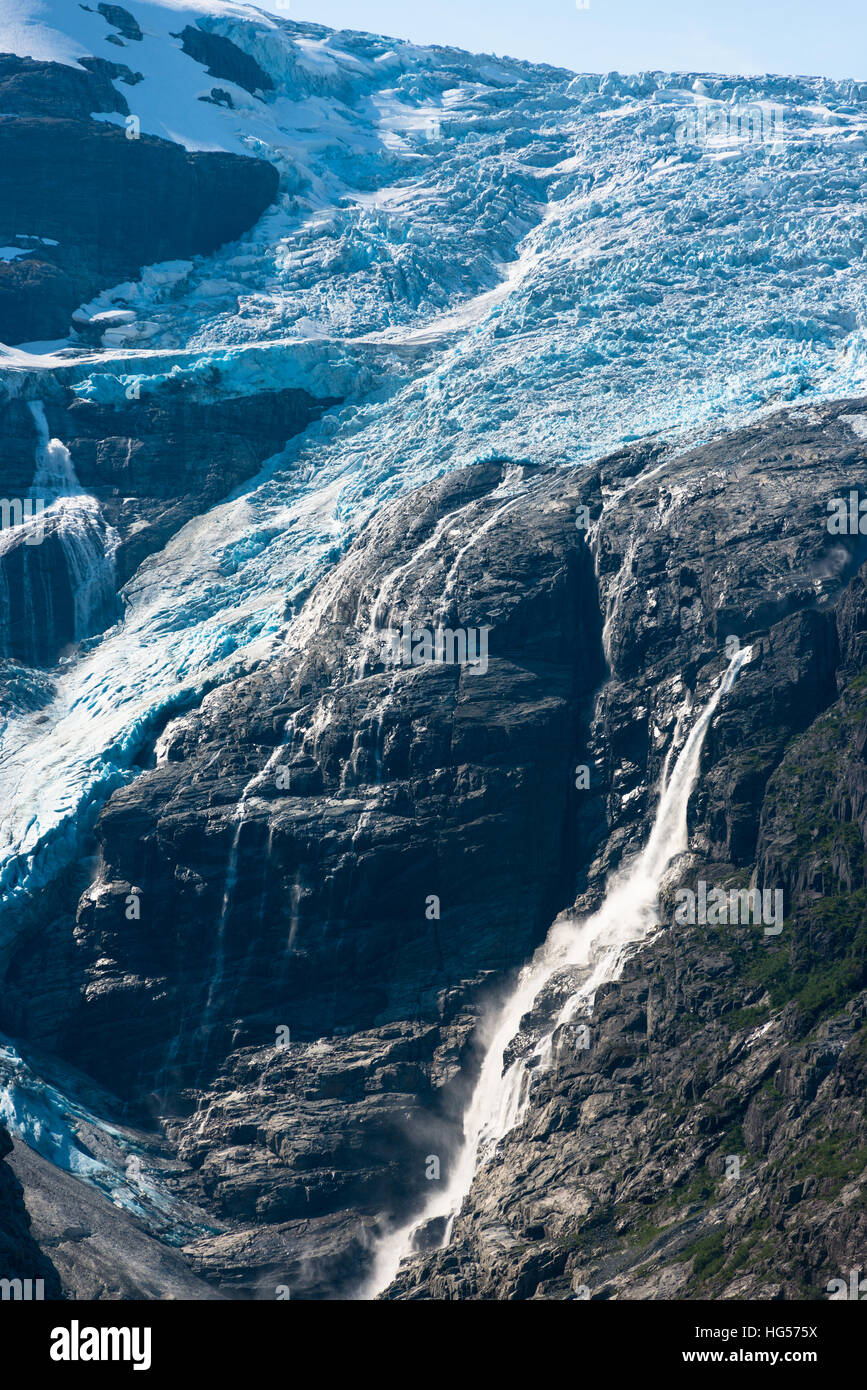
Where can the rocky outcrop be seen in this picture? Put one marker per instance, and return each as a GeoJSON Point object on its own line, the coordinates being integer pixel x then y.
{"type": "Point", "coordinates": [32, 88]}
{"type": "Point", "coordinates": [100, 204]}
{"type": "Point", "coordinates": [120, 19]}
{"type": "Point", "coordinates": [222, 58]}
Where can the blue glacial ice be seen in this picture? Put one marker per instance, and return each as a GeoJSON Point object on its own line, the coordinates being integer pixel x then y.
{"type": "Point", "coordinates": [118, 1162]}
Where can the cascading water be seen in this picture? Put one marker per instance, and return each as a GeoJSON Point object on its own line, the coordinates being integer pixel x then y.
{"type": "Point", "coordinates": [88, 544]}
{"type": "Point", "coordinates": [574, 960]}
{"type": "Point", "coordinates": [55, 474]}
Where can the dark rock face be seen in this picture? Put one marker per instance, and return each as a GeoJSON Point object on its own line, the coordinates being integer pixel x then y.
{"type": "Point", "coordinates": [222, 58]}
{"type": "Point", "coordinates": [338, 859]}
{"type": "Point", "coordinates": [121, 20]}
{"type": "Point", "coordinates": [20, 1256]}
{"type": "Point", "coordinates": [32, 88]}
{"type": "Point", "coordinates": [111, 203]}
{"type": "Point", "coordinates": [710, 1141]}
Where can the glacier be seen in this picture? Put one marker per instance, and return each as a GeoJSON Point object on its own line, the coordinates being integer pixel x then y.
{"type": "Point", "coordinates": [480, 258]}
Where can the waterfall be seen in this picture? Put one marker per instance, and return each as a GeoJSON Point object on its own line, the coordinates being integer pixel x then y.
{"type": "Point", "coordinates": [55, 473]}
{"type": "Point", "coordinates": [228, 895]}
{"type": "Point", "coordinates": [88, 544]}
{"type": "Point", "coordinates": [231, 879]}
{"type": "Point", "coordinates": [574, 960]}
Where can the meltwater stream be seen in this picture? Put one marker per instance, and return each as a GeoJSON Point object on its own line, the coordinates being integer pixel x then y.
{"type": "Point", "coordinates": [587, 954]}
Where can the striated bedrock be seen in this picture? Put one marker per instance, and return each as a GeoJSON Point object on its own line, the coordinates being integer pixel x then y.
{"type": "Point", "coordinates": [110, 203]}
{"type": "Point", "coordinates": [150, 467]}
{"type": "Point", "coordinates": [710, 1142]}
{"type": "Point", "coordinates": [283, 851]}
{"type": "Point", "coordinates": [311, 911]}
{"type": "Point", "coordinates": [20, 1256]}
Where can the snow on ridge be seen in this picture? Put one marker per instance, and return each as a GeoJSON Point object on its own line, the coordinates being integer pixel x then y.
{"type": "Point", "coordinates": [304, 60]}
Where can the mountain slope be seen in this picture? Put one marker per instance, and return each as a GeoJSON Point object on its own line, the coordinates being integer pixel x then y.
{"type": "Point", "coordinates": [346, 332]}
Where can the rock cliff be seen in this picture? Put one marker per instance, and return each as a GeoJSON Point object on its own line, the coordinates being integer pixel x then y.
{"type": "Point", "coordinates": [100, 201]}
{"type": "Point", "coordinates": [305, 899]}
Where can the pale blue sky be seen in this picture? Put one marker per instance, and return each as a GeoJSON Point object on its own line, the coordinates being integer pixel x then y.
{"type": "Point", "coordinates": [823, 37]}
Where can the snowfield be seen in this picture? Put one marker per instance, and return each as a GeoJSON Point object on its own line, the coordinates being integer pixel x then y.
{"type": "Point", "coordinates": [479, 257]}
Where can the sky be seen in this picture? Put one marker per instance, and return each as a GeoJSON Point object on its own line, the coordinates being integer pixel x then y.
{"type": "Point", "coordinates": [817, 37]}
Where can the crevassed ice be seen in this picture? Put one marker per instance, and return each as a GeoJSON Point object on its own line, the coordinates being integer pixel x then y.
{"type": "Point", "coordinates": [479, 257]}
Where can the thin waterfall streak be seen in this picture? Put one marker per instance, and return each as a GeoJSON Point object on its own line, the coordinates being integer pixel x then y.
{"type": "Point", "coordinates": [476, 536]}
{"type": "Point", "coordinates": [597, 947]}
{"type": "Point", "coordinates": [228, 894]}
{"type": "Point", "coordinates": [378, 604]}
{"type": "Point", "coordinates": [230, 883]}
{"type": "Point", "coordinates": [682, 714]}
{"type": "Point", "coordinates": [294, 906]}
